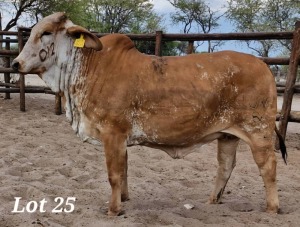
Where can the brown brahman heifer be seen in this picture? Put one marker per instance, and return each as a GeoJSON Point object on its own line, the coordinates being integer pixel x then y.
{"type": "Point", "coordinates": [119, 97]}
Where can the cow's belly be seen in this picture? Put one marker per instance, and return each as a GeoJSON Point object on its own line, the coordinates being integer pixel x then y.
{"type": "Point", "coordinates": [178, 135]}
{"type": "Point", "coordinates": [177, 151]}
{"type": "Point", "coordinates": [178, 126]}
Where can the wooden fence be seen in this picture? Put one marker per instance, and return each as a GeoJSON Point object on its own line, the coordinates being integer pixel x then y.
{"type": "Point", "coordinates": [289, 89]}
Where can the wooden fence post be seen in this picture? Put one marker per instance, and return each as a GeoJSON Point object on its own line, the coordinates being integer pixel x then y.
{"type": "Point", "coordinates": [290, 82]}
{"type": "Point", "coordinates": [58, 109]}
{"type": "Point", "coordinates": [190, 48]}
{"type": "Point", "coordinates": [158, 41]}
{"type": "Point", "coordinates": [7, 65]}
{"type": "Point", "coordinates": [22, 78]}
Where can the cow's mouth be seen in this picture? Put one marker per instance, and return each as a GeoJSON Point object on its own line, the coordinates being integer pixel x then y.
{"type": "Point", "coordinates": [17, 66]}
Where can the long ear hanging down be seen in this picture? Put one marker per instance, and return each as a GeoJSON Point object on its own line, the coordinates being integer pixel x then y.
{"type": "Point", "coordinates": [90, 40]}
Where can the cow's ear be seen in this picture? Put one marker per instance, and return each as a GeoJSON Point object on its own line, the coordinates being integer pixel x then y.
{"type": "Point", "coordinates": [91, 41]}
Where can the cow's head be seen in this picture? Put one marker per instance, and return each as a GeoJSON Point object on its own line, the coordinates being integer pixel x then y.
{"type": "Point", "coordinates": [50, 46]}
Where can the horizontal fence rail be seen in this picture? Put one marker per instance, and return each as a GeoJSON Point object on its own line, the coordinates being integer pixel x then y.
{"type": "Point", "coordinates": [7, 70]}
{"type": "Point", "coordinates": [210, 36]}
{"type": "Point", "coordinates": [28, 90]}
{"type": "Point", "coordinates": [10, 33]}
{"type": "Point", "coordinates": [294, 116]}
{"type": "Point", "coordinates": [9, 52]}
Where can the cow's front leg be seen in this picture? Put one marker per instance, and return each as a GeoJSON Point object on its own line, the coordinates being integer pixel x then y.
{"type": "Point", "coordinates": [115, 154]}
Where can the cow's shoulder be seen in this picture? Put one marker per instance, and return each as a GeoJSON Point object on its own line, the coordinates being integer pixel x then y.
{"type": "Point", "coordinates": [117, 41]}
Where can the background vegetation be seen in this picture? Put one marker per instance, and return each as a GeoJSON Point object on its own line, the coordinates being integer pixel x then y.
{"type": "Point", "coordinates": [190, 16]}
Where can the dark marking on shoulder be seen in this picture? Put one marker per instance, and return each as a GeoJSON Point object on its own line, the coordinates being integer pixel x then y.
{"type": "Point", "coordinates": [260, 103]}
{"type": "Point", "coordinates": [159, 64]}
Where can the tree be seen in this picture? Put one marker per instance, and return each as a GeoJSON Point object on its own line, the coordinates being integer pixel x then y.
{"type": "Point", "coordinates": [73, 8]}
{"type": "Point", "coordinates": [264, 16]}
{"type": "Point", "coordinates": [113, 16]}
{"type": "Point", "coordinates": [284, 14]}
{"type": "Point", "coordinates": [196, 16]}
{"type": "Point", "coordinates": [150, 25]}
{"type": "Point", "coordinates": [130, 16]}
{"type": "Point", "coordinates": [33, 10]}
{"type": "Point", "coordinates": [100, 15]}
{"type": "Point", "coordinates": [104, 16]}
{"type": "Point", "coordinates": [18, 8]}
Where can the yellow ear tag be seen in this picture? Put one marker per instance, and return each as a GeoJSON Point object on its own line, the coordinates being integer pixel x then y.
{"type": "Point", "coordinates": [79, 42]}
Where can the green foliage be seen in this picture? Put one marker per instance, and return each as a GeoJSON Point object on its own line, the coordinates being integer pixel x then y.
{"type": "Point", "coordinates": [104, 16]}
{"type": "Point", "coordinates": [112, 16]}
{"type": "Point", "coordinates": [264, 16]}
{"type": "Point", "coordinates": [195, 16]}
{"type": "Point", "coordinates": [168, 48]}
{"type": "Point", "coordinates": [150, 24]}
{"type": "Point", "coordinates": [33, 10]}
{"type": "Point", "coordinates": [99, 15]}
{"type": "Point", "coordinates": [73, 8]}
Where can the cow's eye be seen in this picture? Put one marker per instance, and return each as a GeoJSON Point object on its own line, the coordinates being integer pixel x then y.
{"type": "Point", "coordinates": [46, 33]}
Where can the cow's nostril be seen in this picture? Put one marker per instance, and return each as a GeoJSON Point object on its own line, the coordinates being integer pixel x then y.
{"type": "Point", "coordinates": [15, 65]}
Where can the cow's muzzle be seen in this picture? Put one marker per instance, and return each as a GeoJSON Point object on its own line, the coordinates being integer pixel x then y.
{"type": "Point", "coordinates": [15, 65]}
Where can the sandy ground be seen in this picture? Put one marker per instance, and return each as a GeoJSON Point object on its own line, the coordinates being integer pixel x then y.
{"type": "Point", "coordinates": [41, 158]}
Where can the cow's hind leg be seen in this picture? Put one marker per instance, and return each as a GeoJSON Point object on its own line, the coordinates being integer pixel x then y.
{"type": "Point", "coordinates": [264, 156]}
{"type": "Point", "coordinates": [227, 146]}
{"type": "Point", "coordinates": [115, 154]}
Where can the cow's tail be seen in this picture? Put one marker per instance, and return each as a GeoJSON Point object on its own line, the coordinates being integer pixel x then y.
{"type": "Point", "coordinates": [281, 145]}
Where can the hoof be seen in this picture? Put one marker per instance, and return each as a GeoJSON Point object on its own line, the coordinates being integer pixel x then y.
{"type": "Point", "coordinates": [112, 213]}
{"type": "Point", "coordinates": [210, 202]}
{"type": "Point", "coordinates": [213, 201]}
{"type": "Point", "coordinates": [272, 210]}
{"type": "Point", "coordinates": [124, 198]}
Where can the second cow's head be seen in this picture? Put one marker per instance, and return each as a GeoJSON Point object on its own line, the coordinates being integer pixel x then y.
{"type": "Point", "coordinates": [50, 46]}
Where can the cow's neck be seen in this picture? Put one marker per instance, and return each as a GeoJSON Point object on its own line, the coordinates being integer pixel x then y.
{"type": "Point", "coordinates": [73, 84]}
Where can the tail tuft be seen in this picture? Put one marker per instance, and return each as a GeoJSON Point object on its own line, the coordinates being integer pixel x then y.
{"type": "Point", "coordinates": [281, 145]}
